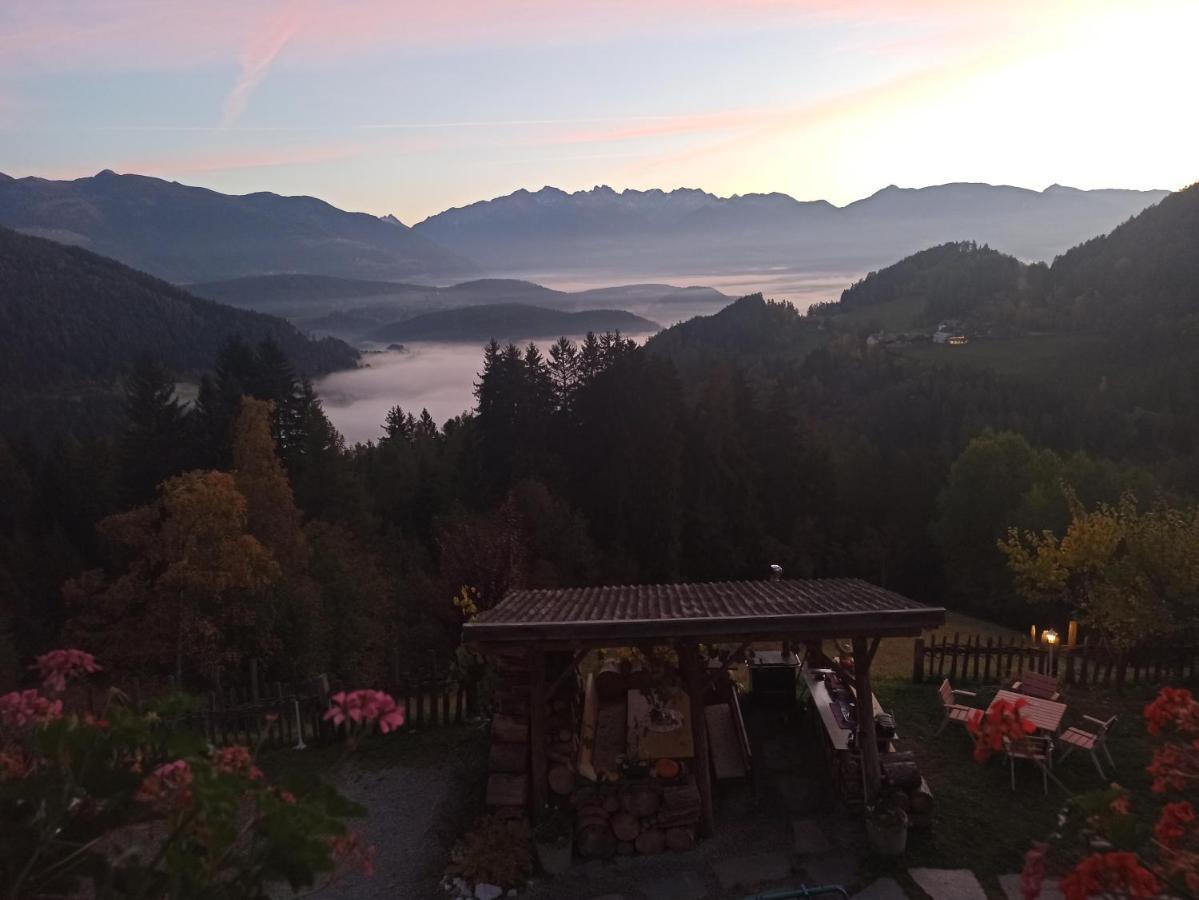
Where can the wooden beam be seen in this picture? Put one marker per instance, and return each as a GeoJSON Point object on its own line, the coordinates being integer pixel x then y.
{"type": "Point", "coordinates": [695, 677]}
{"type": "Point", "coordinates": [736, 653]}
{"type": "Point", "coordinates": [864, 705]}
{"type": "Point", "coordinates": [537, 697]}
{"type": "Point", "coordinates": [873, 649]}
{"type": "Point", "coordinates": [574, 664]}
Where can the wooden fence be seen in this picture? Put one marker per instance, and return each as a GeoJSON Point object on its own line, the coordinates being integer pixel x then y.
{"type": "Point", "coordinates": [994, 660]}
{"type": "Point", "coordinates": [276, 716]}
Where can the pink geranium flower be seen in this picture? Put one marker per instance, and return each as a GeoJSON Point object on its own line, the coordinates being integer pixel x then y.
{"type": "Point", "coordinates": [23, 708]}
{"type": "Point", "coordinates": [59, 666]}
{"type": "Point", "coordinates": [366, 707]}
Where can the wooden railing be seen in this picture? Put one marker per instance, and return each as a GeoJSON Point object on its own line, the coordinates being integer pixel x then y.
{"type": "Point", "coordinates": [274, 716]}
{"type": "Point", "coordinates": [993, 660]}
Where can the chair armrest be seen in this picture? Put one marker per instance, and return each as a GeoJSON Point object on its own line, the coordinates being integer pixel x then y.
{"type": "Point", "coordinates": [966, 693]}
{"type": "Point", "coordinates": [1096, 721]}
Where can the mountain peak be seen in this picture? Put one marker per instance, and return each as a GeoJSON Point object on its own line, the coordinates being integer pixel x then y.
{"type": "Point", "coordinates": [105, 173]}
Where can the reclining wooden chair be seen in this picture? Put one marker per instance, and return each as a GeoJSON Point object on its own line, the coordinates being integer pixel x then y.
{"type": "Point", "coordinates": [1093, 742]}
{"type": "Point", "coordinates": [1037, 685]}
{"type": "Point", "coordinates": [954, 711]}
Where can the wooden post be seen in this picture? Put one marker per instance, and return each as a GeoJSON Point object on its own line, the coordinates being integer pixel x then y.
{"type": "Point", "coordinates": [254, 679]}
{"type": "Point", "coordinates": [1072, 633]}
{"type": "Point", "coordinates": [864, 705]}
{"type": "Point", "coordinates": [918, 660]}
{"type": "Point", "coordinates": [693, 674]}
{"type": "Point", "coordinates": [540, 792]}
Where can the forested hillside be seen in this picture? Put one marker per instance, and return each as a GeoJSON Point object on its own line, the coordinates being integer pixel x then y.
{"type": "Point", "coordinates": [72, 323]}
{"type": "Point", "coordinates": [69, 314]}
{"type": "Point", "coordinates": [730, 442]}
{"type": "Point", "coordinates": [508, 321]}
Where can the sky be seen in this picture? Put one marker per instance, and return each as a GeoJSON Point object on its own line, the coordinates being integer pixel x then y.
{"type": "Point", "coordinates": [408, 108]}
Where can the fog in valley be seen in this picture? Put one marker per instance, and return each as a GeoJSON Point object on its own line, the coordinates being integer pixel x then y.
{"type": "Point", "coordinates": [433, 376]}
{"type": "Point", "coordinates": [440, 377]}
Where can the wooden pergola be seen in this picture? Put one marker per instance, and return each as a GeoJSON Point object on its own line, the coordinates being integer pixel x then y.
{"type": "Point", "coordinates": [577, 620]}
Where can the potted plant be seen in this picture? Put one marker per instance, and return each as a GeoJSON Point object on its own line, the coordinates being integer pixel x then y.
{"type": "Point", "coordinates": [887, 829]}
{"type": "Point", "coordinates": [552, 838]}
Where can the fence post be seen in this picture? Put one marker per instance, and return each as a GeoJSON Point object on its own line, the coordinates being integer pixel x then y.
{"type": "Point", "coordinates": [987, 660]}
{"type": "Point", "coordinates": [953, 660]}
{"type": "Point", "coordinates": [918, 660]}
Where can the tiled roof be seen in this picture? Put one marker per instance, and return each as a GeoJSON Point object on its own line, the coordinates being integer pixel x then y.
{"type": "Point", "coordinates": [829, 607]}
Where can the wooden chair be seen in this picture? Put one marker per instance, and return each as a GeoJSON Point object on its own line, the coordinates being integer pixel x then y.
{"type": "Point", "coordinates": [1037, 685]}
{"type": "Point", "coordinates": [1036, 750]}
{"type": "Point", "coordinates": [1093, 742]}
{"type": "Point", "coordinates": [954, 711]}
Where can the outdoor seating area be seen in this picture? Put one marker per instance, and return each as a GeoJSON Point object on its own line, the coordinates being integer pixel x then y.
{"type": "Point", "coordinates": [618, 707]}
{"type": "Point", "coordinates": [1038, 698]}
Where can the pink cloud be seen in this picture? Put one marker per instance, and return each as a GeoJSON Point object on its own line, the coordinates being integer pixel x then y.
{"type": "Point", "coordinates": [260, 53]}
{"type": "Point", "coordinates": [151, 33]}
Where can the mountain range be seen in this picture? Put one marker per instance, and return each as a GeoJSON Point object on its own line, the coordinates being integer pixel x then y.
{"type": "Point", "coordinates": [189, 234]}
{"type": "Point", "coordinates": [689, 230]}
{"type": "Point", "coordinates": [183, 234]}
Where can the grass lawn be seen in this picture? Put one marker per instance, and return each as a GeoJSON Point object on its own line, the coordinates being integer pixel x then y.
{"type": "Point", "coordinates": [980, 822]}
{"type": "Point", "coordinates": [894, 656]}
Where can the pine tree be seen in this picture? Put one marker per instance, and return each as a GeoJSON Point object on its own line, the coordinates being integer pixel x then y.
{"type": "Point", "coordinates": [563, 372]}
{"type": "Point", "coordinates": [153, 444]}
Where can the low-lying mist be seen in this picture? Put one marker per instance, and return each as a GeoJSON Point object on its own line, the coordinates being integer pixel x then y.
{"type": "Point", "coordinates": [437, 377]}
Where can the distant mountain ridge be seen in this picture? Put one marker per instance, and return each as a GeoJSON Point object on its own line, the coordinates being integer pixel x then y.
{"type": "Point", "coordinates": [352, 309]}
{"type": "Point", "coordinates": [509, 322]}
{"type": "Point", "coordinates": [602, 228]}
{"type": "Point", "coordinates": [185, 234]}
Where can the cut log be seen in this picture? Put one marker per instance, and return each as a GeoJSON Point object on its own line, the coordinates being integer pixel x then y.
{"type": "Point", "coordinates": [679, 839]}
{"type": "Point", "coordinates": [625, 826]}
{"type": "Point", "coordinates": [899, 770]}
{"type": "Point", "coordinates": [593, 810]}
{"type": "Point", "coordinates": [561, 780]}
{"type": "Point", "coordinates": [596, 842]}
{"type": "Point", "coordinates": [611, 804]}
{"type": "Point", "coordinates": [512, 758]}
{"type": "Point", "coordinates": [582, 823]}
{"type": "Point", "coordinates": [921, 798]}
{"type": "Point", "coordinates": [610, 682]}
{"type": "Point", "coordinates": [507, 790]}
{"type": "Point", "coordinates": [641, 800]}
{"type": "Point", "coordinates": [682, 796]}
{"type": "Point", "coordinates": [506, 729]}
{"type": "Point", "coordinates": [651, 841]}
{"type": "Point", "coordinates": [625, 848]}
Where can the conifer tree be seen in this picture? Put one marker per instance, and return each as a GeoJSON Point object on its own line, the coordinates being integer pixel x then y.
{"type": "Point", "coordinates": [153, 444]}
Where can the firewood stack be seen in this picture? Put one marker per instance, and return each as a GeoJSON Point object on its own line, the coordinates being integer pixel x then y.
{"type": "Point", "coordinates": [902, 784]}
{"type": "Point", "coordinates": [645, 816]}
{"type": "Point", "coordinates": [508, 759]}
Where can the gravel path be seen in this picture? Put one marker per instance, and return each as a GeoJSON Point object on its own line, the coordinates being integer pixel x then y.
{"type": "Point", "coordinates": [415, 809]}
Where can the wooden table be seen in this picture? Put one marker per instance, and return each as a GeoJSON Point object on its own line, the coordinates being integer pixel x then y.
{"type": "Point", "coordinates": [1045, 714]}
{"type": "Point", "coordinates": [646, 743]}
